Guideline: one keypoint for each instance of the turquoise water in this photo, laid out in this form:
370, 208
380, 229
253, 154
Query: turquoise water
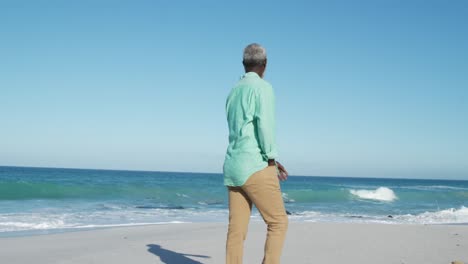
42, 200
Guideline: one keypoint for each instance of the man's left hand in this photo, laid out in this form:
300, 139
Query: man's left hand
282, 172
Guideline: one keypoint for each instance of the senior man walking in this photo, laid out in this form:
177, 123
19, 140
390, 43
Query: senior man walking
251, 173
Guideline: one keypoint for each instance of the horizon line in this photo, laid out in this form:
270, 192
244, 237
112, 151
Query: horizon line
200, 172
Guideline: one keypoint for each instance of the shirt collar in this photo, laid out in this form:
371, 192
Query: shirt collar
250, 74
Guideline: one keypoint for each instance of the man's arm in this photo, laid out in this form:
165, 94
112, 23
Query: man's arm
266, 130
265, 119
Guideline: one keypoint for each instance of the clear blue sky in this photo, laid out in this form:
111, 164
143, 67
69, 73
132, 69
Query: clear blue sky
364, 88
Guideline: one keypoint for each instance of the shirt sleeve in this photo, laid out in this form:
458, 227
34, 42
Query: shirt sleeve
265, 119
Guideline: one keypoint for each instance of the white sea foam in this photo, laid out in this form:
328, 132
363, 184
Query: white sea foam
379, 194
182, 195
34, 223
131, 224
18, 226
286, 198
106, 218
447, 216
21, 226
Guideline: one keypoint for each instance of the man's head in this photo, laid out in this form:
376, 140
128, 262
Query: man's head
255, 59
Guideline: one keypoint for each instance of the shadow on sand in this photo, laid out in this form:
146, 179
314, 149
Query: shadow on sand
172, 257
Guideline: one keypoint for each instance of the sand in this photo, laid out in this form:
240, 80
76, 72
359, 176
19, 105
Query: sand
192, 243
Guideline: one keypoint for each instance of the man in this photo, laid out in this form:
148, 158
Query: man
250, 170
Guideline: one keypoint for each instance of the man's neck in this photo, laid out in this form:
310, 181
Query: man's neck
257, 71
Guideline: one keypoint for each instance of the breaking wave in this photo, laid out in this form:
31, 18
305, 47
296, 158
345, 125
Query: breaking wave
380, 194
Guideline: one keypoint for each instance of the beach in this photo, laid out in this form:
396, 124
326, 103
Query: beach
191, 243
52, 215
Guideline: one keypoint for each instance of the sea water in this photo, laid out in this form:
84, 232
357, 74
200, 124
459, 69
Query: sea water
44, 200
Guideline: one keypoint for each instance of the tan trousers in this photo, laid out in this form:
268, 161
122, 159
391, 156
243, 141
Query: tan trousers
263, 190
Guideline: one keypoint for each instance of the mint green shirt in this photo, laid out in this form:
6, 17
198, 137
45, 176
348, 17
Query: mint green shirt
250, 109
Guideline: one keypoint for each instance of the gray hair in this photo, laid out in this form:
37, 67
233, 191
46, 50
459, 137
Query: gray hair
254, 55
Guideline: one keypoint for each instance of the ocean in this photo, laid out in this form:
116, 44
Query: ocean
48, 200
